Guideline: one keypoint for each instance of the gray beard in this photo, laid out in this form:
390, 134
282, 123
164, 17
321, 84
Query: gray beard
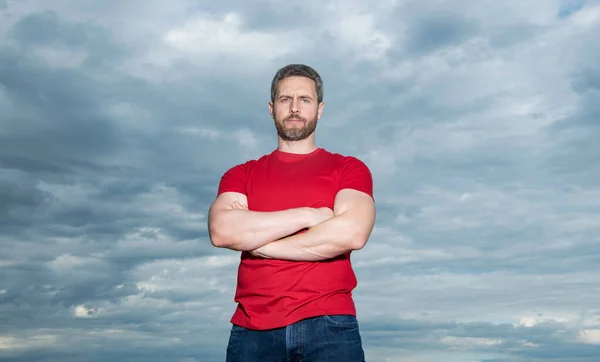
295, 134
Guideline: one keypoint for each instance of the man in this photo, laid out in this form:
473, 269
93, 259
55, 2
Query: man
296, 214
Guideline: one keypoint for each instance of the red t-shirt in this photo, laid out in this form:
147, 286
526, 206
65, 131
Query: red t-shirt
274, 293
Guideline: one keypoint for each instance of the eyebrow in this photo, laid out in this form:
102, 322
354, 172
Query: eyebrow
306, 96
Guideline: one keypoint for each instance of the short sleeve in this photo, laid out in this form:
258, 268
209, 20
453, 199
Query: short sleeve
234, 180
356, 175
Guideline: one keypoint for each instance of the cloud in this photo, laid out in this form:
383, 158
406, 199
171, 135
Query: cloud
478, 121
206, 38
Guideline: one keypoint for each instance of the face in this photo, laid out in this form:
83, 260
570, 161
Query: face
296, 109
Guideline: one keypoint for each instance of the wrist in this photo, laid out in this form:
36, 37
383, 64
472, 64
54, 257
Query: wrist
307, 216
261, 252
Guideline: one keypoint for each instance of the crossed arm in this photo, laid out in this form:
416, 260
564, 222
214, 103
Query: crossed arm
269, 234
231, 225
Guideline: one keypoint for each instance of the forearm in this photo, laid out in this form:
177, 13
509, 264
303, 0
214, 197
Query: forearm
245, 230
326, 240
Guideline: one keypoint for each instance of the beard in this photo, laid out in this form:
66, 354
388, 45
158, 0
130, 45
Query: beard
295, 133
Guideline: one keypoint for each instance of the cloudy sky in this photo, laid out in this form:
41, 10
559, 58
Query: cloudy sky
478, 119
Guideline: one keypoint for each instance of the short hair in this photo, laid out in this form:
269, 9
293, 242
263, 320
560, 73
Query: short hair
297, 70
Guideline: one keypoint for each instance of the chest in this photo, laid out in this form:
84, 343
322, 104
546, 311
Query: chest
274, 186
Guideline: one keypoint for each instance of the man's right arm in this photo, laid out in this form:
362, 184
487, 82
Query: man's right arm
245, 230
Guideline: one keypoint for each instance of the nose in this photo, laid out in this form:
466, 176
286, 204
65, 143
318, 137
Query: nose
294, 106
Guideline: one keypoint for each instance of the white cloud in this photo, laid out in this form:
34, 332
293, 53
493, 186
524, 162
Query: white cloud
208, 37
67, 261
478, 221
33, 342
469, 342
590, 336
211, 134
587, 17
81, 311
246, 138
204, 43
243, 137
167, 200
354, 28
153, 241
358, 33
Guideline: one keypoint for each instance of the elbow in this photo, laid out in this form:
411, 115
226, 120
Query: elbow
219, 233
224, 241
358, 240
357, 243
214, 230
356, 234
219, 238
218, 242
216, 238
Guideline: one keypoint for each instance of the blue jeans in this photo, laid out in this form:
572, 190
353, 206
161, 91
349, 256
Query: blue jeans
320, 339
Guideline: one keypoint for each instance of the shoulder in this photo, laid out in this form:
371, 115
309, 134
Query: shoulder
247, 166
352, 173
241, 168
235, 178
346, 161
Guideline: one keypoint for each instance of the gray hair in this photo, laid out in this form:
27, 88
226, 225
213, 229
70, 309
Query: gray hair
297, 70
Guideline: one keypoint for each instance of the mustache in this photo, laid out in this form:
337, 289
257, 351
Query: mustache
294, 118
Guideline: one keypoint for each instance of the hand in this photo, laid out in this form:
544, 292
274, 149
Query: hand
259, 253
319, 215
238, 206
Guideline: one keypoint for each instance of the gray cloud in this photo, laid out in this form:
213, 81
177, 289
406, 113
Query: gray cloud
434, 31
477, 120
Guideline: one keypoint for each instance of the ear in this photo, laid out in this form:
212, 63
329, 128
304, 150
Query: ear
271, 109
320, 110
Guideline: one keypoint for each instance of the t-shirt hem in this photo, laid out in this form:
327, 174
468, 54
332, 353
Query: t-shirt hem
266, 325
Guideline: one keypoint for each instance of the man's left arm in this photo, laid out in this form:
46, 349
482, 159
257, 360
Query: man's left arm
348, 230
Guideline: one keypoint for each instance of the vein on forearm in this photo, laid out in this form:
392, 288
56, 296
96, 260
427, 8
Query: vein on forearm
245, 230
326, 240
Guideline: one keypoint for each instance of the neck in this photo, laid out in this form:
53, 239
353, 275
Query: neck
299, 147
